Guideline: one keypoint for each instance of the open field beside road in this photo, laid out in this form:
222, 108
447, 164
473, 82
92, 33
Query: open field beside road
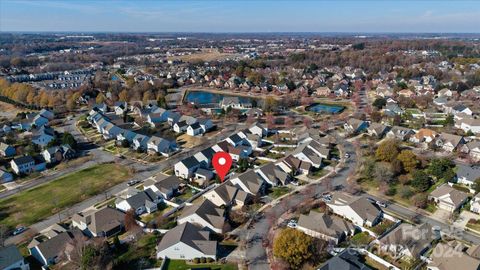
30, 206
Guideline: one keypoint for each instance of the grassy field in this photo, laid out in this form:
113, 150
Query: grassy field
30, 206
182, 265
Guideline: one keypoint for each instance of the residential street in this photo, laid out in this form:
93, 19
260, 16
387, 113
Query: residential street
256, 255
142, 172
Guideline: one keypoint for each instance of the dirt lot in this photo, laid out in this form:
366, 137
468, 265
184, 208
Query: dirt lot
205, 55
8, 110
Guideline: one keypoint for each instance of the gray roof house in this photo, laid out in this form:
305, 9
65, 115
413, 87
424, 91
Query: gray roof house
145, 201
11, 259
206, 215
357, 209
467, 174
404, 240
226, 195
448, 198
249, 182
165, 186
328, 227
186, 242
7, 150
53, 249
273, 174
349, 259
104, 222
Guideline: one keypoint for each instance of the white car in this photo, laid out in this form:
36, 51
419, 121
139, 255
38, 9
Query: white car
292, 224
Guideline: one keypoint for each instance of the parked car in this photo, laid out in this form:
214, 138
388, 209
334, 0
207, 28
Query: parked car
347, 155
19, 230
292, 224
133, 182
382, 204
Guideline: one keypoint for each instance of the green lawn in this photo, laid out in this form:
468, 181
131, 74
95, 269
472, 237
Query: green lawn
361, 239
182, 265
2, 188
279, 191
30, 206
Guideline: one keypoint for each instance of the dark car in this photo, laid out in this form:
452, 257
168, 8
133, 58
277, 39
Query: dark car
19, 230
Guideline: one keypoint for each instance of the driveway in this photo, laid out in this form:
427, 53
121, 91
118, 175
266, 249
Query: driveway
463, 219
442, 215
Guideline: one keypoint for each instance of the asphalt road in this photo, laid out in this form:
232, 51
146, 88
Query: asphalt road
142, 172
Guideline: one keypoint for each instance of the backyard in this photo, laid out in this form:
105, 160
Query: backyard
30, 206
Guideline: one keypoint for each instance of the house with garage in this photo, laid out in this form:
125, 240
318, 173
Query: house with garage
28, 164
472, 148
161, 146
469, 125
120, 107
377, 130
357, 209
57, 154
234, 103
355, 126
186, 167
167, 187
258, 129
330, 228
186, 242
54, 246
145, 201
205, 215
195, 129
400, 133
180, 127
249, 182
227, 195
293, 165
7, 150
140, 142
104, 222
273, 175
448, 198
311, 152
449, 142
407, 241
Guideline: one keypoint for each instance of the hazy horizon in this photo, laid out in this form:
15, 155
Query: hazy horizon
370, 17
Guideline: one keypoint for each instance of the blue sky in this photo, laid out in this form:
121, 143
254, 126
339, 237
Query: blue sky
240, 16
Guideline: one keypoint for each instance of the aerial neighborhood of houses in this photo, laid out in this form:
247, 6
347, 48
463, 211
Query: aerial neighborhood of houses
336, 164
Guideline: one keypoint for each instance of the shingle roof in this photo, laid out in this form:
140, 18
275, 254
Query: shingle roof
407, 236
326, 224
190, 235
208, 212
9, 255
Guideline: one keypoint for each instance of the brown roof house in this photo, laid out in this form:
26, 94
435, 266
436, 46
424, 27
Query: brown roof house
357, 209
227, 195
187, 242
448, 198
104, 222
449, 142
328, 227
54, 246
446, 257
408, 240
206, 215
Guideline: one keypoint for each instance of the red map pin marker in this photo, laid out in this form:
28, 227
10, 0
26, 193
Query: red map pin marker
222, 162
